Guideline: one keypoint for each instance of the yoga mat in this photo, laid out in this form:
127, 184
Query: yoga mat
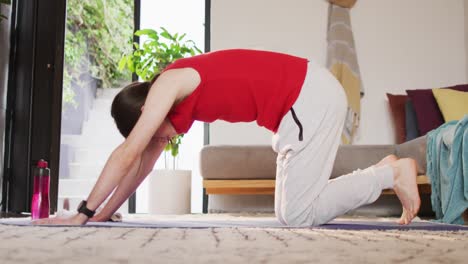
261, 222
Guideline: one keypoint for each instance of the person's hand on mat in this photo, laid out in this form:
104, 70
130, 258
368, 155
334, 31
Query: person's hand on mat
116, 217
97, 218
78, 219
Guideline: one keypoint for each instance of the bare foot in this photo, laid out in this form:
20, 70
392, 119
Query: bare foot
406, 188
405, 218
387, 160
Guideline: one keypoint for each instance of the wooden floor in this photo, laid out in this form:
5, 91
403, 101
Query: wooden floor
261, 186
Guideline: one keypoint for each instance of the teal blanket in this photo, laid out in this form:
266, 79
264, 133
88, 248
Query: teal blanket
447, 168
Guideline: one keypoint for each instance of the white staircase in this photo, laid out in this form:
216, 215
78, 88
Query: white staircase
90, 151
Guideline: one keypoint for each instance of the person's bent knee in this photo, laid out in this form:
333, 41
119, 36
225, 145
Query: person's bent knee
292, 218
279, 217
303, 219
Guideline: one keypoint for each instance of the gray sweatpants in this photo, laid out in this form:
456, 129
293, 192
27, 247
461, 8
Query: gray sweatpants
304, 195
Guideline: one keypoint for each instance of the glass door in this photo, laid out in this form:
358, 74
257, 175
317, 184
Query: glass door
97, 33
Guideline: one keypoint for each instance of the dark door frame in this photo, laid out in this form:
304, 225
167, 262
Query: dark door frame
136, 26
206, 127
34, 98
206, 131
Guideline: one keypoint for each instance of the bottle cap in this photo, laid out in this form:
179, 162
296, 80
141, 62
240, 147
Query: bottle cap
42, 164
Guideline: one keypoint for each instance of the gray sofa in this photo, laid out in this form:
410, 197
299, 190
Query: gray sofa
259, 162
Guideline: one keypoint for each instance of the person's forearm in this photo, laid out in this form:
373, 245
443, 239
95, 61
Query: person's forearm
112, 205
130, 182
126, 187
114, 170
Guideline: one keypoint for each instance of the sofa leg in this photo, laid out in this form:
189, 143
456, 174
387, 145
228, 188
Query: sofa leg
205, 201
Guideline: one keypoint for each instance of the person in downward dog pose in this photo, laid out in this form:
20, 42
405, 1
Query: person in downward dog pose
298, 100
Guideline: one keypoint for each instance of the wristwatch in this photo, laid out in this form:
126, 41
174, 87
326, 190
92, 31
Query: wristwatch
84, 210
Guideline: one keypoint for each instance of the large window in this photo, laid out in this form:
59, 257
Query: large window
91, 80
96, 35
180, 16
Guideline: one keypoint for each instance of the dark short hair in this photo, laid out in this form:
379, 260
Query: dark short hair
127, 104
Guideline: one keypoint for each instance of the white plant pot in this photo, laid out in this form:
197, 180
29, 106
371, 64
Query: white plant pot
169, 192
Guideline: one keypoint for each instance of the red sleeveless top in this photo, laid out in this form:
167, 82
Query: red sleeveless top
240, 86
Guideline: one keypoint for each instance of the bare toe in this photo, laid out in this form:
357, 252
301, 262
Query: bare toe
405, 218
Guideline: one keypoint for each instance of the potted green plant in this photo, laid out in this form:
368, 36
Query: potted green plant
148, 58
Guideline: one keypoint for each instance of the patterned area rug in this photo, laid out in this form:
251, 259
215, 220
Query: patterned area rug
33, 244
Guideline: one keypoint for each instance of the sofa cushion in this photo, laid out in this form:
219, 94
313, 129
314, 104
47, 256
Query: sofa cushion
453, 104
411, 125
259, 162
428, 114
238, 162
415, 149
427, 111
397, 109
353, 157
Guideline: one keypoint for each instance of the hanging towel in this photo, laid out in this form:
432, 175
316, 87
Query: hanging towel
342, 62
447, 168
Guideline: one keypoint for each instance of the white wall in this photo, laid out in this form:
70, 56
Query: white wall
276, 25
405, 45
400, 44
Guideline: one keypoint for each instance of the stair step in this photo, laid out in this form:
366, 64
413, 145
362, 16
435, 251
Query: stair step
85, 170
90, 155
102, 106
102, 136
99, 125
106, 115
108, 93
89, 142
75, 187
71, 140
91, 149
102, 103
94, 132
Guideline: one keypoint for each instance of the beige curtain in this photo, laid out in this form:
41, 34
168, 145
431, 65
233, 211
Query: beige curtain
342, 62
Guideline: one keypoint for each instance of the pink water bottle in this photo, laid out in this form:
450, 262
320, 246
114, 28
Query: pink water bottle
40, 199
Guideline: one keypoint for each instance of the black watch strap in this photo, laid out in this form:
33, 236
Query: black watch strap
84, 210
